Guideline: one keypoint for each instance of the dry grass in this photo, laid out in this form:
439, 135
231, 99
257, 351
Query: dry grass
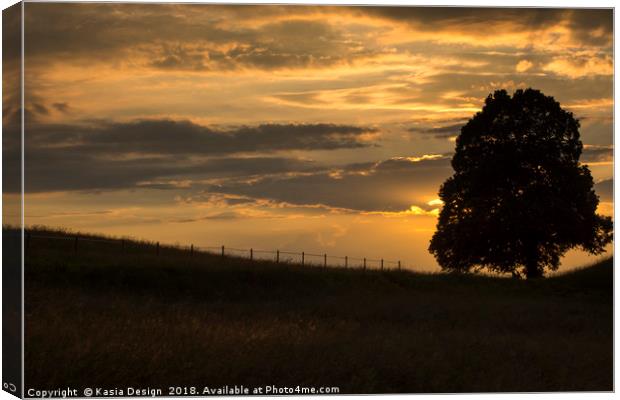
110, 319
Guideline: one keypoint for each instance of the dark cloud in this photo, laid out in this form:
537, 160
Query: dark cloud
235, 201
471, 85
66, 171
226, 215
301, 98
181, 58
297, 43
597, 154
104, 31
223, 216
589, 26
441, 132
285, 44
597, 130
61, 107
173, 38
39, 108
431, 17
173, 155
186, 138
200, 37
605, 190
391, 185
110, 155
35, 109
593, 27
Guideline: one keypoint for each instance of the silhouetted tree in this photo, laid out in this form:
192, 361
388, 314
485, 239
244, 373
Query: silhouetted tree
519, 198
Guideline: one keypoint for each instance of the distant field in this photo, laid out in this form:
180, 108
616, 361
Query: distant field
116, 318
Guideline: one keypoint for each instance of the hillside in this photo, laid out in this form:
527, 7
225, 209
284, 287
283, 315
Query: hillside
111, 317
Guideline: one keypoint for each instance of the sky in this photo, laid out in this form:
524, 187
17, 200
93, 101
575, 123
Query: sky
324, 129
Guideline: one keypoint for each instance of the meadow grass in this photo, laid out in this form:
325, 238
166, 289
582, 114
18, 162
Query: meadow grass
110, 318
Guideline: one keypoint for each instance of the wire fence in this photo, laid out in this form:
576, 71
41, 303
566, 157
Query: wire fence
78, 242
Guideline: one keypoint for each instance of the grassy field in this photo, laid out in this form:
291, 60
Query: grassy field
114, 318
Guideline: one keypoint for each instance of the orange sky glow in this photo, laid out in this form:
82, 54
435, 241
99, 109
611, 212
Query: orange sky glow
327, 129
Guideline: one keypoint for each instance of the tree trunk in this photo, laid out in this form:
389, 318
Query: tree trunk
531, 270
531, 265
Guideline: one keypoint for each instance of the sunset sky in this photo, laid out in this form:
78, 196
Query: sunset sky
315, 128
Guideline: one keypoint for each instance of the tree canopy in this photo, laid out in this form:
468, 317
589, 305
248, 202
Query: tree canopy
519, 197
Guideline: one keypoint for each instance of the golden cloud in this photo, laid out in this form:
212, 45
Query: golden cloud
524, 65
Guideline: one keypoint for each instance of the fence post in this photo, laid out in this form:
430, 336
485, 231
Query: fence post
277, 256
191, 250
398, 264
222, 251
75, 244
303, 258
157, 249
251, 254
382, 264
346, 261
364, 262
325, 260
